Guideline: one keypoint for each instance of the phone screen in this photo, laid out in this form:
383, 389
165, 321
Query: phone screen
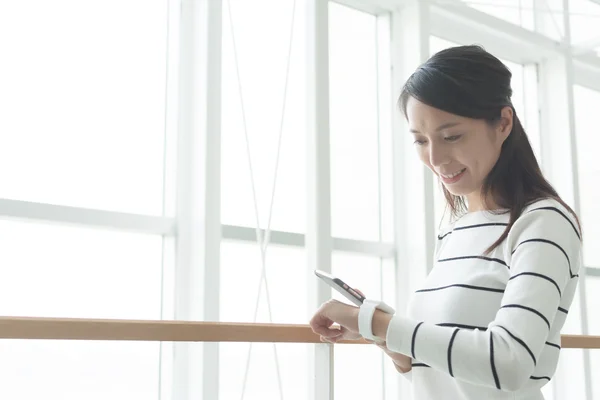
342, 287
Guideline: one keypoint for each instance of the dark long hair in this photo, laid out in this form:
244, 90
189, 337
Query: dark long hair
470, 82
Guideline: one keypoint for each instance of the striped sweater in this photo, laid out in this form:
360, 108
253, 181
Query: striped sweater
488, 326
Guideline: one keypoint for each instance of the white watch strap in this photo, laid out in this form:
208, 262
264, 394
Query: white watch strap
365, 317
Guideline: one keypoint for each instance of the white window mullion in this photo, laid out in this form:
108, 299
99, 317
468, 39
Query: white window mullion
570, 75
167, 350
385, 158
318, 233
77, 216
559, 161
413, 186
196, 366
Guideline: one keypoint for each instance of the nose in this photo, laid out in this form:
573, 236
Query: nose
438, 155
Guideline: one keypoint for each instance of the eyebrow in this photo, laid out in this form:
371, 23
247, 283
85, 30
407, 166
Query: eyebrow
444, 126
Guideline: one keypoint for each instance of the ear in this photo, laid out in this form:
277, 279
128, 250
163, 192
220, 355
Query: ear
505, 124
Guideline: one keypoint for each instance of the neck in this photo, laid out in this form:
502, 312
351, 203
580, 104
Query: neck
475, 203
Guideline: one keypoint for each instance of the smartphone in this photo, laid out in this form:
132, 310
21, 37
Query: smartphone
342, 287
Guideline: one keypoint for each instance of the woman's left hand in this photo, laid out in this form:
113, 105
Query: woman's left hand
332, 312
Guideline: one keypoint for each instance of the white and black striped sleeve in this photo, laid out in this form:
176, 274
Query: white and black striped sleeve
545, 249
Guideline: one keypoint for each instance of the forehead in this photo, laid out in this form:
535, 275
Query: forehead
422, 117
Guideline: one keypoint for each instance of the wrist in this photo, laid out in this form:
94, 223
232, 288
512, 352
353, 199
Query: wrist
346, 316
380, 324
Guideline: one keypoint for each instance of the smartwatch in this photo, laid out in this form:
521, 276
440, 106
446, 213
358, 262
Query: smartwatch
365, 316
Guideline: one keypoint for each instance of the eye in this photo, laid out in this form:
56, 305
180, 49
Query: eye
452, 138
419, 142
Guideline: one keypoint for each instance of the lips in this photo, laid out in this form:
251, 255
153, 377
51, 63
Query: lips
453, 177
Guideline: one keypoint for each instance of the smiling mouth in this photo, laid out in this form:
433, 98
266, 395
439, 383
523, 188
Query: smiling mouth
454, 174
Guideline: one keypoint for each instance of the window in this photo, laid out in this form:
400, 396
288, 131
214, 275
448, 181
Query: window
78, 100
518, 12
72, 370
264, 375
375, 378
253, 103
587, 102
83, 125
286, 275
263, 116
57, 271
361, 182
254, 76
584, 16
241, 301
360, 159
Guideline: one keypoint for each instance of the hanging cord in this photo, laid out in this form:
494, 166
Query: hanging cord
262, 241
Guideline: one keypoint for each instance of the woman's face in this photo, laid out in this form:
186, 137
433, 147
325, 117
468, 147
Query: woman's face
460, 151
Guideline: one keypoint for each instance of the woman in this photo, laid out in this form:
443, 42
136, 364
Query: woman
486, 324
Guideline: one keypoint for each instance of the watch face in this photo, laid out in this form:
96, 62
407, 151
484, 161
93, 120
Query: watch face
342, 287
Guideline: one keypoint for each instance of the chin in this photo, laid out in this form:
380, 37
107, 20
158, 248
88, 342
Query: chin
459, 191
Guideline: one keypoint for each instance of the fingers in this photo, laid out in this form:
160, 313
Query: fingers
332, 333
328, 340
359, 292
326, 331
331, 339
321, 325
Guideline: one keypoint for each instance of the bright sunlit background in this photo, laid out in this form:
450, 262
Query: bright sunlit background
89, 104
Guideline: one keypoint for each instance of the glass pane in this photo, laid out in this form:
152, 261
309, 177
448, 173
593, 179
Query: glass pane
60, 271
373, 276
518, 12
587, 102
262, 40
584, 15
358, 372
525, 101
570, 375
354, 123
83, 106
386, 114
262, 381
286, 275
437, 44
592, 291
74, 370
529, 110
376, 376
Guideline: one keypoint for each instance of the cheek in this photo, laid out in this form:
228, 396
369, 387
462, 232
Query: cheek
423, 155
485, 159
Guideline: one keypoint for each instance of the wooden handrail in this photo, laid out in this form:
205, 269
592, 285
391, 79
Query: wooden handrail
184, 331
